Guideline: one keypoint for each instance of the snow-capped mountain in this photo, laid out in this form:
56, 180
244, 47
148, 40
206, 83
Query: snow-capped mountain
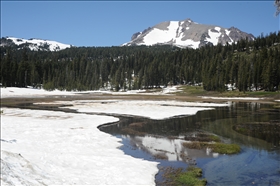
187, 33
34, 44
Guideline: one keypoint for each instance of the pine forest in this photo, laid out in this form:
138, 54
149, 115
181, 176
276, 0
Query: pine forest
245, 65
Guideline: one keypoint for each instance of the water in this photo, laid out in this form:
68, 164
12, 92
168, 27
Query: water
161, 141
250, 167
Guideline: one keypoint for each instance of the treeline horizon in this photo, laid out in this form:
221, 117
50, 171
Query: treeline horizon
249, 65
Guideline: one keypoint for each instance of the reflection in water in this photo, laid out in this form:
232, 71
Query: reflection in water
251, 167
160, 140
242, 113
169, 149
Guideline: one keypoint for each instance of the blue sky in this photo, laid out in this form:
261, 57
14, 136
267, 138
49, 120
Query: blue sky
112, 23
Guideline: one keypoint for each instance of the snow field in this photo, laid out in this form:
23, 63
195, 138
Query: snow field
31, 92
63, 148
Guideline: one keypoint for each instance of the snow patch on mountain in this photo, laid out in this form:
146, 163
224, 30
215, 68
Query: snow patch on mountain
214, 36
188, 42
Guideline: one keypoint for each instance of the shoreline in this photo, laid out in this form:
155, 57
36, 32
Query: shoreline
179, 93
6, 100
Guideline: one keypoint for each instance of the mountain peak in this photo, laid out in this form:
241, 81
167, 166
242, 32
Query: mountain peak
188, 20
187, 33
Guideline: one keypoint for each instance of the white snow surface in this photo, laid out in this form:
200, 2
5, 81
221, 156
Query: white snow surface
54, 45
31, 92
57, 148
151, 109
163, 36
218, 28
214, 36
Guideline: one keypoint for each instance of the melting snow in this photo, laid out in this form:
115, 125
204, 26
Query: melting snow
56, 148
149, 109
30, 92
65, 148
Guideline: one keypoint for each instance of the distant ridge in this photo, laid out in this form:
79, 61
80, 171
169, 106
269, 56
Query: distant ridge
34, 44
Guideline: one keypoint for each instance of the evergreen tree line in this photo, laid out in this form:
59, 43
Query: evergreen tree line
249, 65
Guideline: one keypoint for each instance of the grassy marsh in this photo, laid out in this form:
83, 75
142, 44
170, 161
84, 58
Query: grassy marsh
203, 137
221, 148
190, 177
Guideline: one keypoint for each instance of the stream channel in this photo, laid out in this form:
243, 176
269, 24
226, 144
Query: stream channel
258, 163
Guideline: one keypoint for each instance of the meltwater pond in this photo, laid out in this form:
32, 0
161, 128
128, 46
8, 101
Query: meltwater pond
258, 163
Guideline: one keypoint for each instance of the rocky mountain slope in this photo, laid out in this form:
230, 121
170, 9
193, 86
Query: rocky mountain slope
187, 33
